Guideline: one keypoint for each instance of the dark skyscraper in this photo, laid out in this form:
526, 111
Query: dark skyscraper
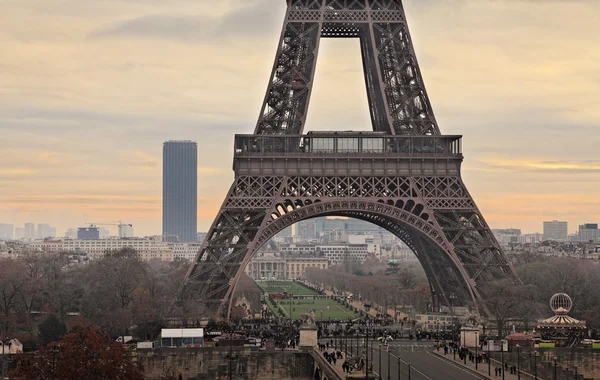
180, 190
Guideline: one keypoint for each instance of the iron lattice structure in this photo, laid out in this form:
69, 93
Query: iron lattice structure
404, 176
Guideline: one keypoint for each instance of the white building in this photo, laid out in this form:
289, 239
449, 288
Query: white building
531, 238
71, 233
125, 231
103, 233
30, 231
337, 253
6, 231
19, 233
185, 251
147, 248
12, 347
43, 231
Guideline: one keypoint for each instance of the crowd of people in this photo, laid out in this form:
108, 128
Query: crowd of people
284, 333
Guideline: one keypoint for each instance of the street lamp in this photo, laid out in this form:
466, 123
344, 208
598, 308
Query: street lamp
465, 346
535, 355
379, 366
389, 361
452, 298
518, 362
489, 359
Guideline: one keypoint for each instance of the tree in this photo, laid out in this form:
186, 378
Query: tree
12, 281
84, 353
408, 279
51, 329
505, 299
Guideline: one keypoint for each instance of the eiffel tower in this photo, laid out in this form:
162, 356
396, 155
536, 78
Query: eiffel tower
403, 176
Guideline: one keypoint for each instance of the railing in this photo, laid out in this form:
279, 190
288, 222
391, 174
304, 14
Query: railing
349, 144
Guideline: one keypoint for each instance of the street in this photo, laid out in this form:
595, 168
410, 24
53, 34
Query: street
417, 361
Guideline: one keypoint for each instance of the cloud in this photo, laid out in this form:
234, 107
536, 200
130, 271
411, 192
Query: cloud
247, 21
547, 166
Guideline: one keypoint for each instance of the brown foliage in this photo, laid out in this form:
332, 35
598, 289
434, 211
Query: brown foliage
84, 353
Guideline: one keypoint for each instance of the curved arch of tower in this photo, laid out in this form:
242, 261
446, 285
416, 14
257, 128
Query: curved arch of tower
404, 176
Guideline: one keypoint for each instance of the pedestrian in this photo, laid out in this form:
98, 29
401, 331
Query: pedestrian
180, 377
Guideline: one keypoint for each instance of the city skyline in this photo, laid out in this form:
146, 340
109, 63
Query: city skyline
83, 137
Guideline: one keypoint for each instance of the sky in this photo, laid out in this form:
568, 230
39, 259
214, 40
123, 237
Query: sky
89, 91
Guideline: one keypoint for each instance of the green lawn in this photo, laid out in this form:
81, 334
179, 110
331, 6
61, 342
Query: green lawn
299, 307
290, 287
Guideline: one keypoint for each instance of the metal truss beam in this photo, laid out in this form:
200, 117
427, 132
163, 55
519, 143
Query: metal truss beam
398, 100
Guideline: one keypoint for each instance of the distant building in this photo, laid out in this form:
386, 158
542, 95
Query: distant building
103, 233
88, 233
30, 231
6, 231
19, 233
555, 230
531, 238
125, 231
71, 233
588, 232
269, 266
335, 253
180, 191
43, 231
507, 236
147, 248
185, 251
296, 267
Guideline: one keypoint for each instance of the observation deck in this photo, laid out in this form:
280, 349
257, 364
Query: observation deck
347, 153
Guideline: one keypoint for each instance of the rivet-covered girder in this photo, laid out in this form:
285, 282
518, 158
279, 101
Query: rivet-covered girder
398, 101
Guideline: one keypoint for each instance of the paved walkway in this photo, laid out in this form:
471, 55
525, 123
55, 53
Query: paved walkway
483, 367
338, 364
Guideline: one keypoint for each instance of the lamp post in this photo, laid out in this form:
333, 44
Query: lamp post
465, 346
379, 366
437, 343
489, 359
476, 350
453, 343
452, 298
366, 351
2, 342
502, 359
518, 362
389, 361
408, 370
534, 355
